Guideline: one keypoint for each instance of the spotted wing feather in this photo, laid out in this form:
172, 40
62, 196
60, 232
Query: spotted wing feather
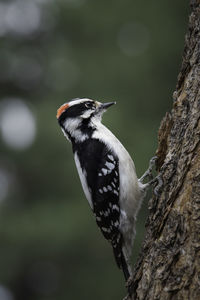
101, 168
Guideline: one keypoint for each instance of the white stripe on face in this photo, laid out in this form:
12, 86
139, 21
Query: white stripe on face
78, 101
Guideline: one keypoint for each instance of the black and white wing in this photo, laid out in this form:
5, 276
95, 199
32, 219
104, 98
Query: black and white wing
107, 208
106, 196
100, 172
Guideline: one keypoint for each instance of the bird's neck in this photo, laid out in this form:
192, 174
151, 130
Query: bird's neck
78, 132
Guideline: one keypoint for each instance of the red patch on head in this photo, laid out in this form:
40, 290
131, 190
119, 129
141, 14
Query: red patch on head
62, 109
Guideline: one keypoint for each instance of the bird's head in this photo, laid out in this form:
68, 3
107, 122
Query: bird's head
79, 117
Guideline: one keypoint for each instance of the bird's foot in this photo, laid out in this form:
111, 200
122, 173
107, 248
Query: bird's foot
148, 172
157, 180
159, 183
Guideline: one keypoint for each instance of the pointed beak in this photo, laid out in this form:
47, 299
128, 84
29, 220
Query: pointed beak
106, 105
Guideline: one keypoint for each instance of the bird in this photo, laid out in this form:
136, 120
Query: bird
107, 174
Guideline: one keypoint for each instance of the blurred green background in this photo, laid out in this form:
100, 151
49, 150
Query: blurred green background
50, 52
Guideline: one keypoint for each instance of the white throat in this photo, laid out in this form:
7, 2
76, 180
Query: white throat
71, 126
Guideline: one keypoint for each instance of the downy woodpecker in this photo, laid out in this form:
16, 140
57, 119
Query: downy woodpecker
107, 175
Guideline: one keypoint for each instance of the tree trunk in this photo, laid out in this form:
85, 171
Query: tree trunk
169, 263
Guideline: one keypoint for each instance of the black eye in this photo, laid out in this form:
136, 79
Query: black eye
89, 105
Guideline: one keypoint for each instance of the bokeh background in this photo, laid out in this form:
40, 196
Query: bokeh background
50, 52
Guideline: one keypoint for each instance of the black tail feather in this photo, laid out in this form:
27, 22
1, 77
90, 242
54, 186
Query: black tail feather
124, 267
122, 263
121, 260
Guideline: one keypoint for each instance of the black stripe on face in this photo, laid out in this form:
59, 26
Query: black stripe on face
76, 110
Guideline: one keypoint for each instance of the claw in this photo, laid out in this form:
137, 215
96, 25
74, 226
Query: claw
153, 160
158, 178
148, 172
157, 189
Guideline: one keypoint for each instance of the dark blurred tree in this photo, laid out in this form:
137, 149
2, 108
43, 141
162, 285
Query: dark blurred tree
169, 264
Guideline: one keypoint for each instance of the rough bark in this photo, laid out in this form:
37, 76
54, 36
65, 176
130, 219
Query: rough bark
169, 263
